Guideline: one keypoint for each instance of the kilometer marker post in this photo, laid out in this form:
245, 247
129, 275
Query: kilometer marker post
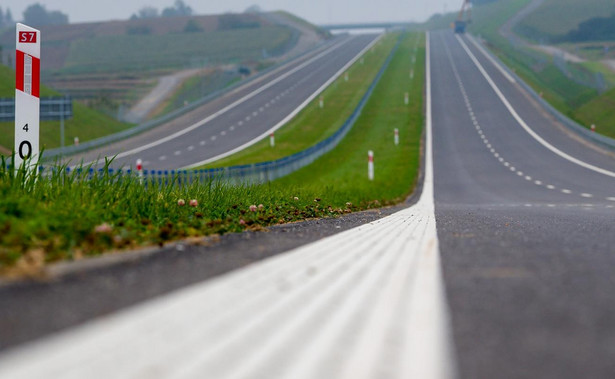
27, 95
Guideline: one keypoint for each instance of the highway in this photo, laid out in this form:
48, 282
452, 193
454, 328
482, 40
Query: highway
239, 118
525, 225
499, 267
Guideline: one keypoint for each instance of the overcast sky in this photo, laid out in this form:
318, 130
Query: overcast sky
316, 11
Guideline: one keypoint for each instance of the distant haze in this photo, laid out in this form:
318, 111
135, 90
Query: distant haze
316, 11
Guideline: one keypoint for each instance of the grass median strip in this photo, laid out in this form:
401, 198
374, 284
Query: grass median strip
315, 124
69, 216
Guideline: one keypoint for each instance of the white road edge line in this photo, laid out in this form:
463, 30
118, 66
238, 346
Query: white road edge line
490, 58
291, 115
228, 107
523, 124
146, 338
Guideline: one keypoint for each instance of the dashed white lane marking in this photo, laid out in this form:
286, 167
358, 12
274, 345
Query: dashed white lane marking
177, 152
291, 115
355, 305
213, 138
240, 123
261, 109
162, 157
254, 114
479, 129
522, 122
202, 143
223, 133
248, 118
190, 148
610, 198
246, 97
231, 128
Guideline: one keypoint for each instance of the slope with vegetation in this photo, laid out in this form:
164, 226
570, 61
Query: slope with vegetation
562, 87
556, 18
68, 216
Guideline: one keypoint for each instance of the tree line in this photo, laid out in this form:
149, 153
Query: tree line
594, 29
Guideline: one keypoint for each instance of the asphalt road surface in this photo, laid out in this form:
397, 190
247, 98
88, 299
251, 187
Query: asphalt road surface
524, 213
237, 118
527, 237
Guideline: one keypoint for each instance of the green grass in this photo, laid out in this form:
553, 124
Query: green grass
314, 124
557, 17
535, 68
601, 112
343, 171
601, 67
129, 53
86, 124
66, 216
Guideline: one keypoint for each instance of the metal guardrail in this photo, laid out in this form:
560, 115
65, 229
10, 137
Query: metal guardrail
252, 173
572, 125
98, 142
51, 108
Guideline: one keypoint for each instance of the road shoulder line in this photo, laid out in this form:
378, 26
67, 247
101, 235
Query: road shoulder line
522, 122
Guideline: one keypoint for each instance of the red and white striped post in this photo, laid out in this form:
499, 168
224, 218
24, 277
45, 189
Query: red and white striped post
593, 127
370, 165
396, 139
140, 169
27, 94
271, 139
76, 140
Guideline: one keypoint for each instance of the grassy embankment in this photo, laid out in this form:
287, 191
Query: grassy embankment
536, 69
65, 217
86, 124
117, 53
555, 18
578, 102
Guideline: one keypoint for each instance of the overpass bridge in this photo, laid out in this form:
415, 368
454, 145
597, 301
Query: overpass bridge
364, 25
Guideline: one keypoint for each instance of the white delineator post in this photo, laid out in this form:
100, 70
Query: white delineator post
76, 140
370, 165
396, 137
321, 102
272, 140
27, 94
593, 127
411, 74
346, 77
140, 167
406, 98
